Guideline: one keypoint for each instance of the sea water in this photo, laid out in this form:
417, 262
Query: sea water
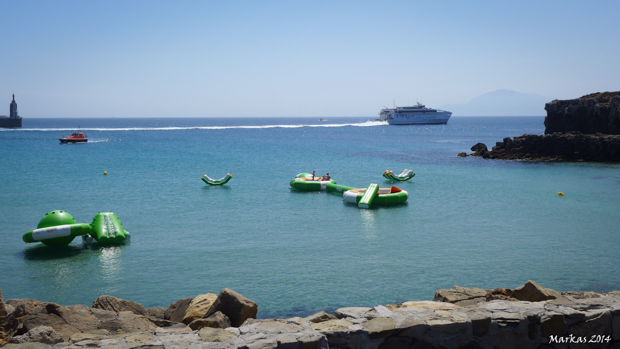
468, 221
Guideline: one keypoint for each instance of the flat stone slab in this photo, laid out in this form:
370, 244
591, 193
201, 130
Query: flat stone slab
354, 312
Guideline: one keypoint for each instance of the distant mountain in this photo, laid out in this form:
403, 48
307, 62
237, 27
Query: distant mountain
501, 103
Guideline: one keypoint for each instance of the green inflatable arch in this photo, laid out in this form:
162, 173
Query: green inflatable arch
211, 181
405, 176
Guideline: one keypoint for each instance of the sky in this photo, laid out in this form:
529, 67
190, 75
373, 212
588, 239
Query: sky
297, 58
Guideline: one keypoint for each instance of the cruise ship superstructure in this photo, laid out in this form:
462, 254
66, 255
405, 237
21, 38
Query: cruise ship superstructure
414, 115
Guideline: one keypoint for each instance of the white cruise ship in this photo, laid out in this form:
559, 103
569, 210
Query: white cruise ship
415, 115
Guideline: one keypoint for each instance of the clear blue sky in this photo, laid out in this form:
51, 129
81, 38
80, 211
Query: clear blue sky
297, 58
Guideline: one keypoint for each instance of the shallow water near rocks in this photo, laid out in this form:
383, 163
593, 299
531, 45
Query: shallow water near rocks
468, 221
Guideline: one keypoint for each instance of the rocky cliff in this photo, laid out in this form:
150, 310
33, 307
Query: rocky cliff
582, 129
594, 113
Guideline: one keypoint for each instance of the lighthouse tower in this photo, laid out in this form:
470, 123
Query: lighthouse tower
14, 114
14, 120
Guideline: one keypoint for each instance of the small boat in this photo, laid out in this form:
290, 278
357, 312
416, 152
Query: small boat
76, 137
321, 119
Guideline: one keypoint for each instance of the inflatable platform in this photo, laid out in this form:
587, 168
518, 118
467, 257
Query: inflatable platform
305, 182
375, 196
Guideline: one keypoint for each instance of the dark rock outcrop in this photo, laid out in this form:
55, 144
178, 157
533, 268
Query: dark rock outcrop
590, 114
582, 129
554, 147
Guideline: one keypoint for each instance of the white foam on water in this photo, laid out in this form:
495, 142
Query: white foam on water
174, 128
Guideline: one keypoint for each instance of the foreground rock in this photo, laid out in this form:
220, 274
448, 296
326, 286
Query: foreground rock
117, 305
465, 317
582, 129
236, 307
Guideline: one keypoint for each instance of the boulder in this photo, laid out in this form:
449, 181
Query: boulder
118, 305
428, 305
614, 294
30, 314
332, 325
274, 326
127, 322
156, 313
157, 316
352, 312
461, 295
79, 317
26, 346
320, 317
198, 307
23, 306
479, 149
209, 334
41, 334
3, 311
176, 311
533, 292
583, 295
380, 327
235, 306
217, 320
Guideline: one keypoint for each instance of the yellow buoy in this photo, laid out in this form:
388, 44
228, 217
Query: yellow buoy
560, 193
105, 173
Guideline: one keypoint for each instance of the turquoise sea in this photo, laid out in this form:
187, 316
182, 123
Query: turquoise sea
468, 221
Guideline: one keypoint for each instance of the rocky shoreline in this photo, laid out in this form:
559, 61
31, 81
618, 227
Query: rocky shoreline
530, 316
581, 129
573, 146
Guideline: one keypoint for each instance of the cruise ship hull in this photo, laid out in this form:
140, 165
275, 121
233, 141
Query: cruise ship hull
430, 118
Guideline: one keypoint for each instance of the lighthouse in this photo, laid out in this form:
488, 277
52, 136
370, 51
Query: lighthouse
14, 120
